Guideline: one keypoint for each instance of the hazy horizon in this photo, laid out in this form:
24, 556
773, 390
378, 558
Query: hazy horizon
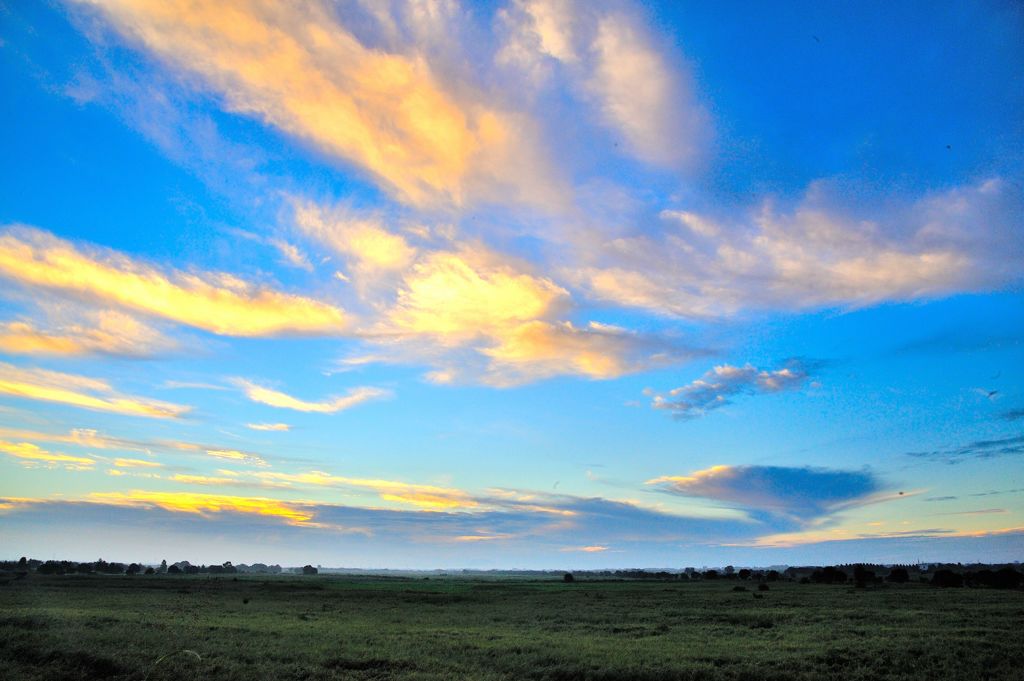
521, 284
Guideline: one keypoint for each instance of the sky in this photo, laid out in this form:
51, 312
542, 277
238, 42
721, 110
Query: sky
512, 284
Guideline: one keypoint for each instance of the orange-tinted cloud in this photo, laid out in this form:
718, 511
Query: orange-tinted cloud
215, 302
298, 68
80, 391
294, 513
30, 453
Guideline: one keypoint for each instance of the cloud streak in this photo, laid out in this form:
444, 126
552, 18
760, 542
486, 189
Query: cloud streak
216, 302
331, 405
80, 391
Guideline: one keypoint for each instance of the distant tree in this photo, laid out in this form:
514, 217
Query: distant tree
828, 575
133, 569
568, 577
729, 571
711, 574
947, 578
745, 574
23, 562
772, 576
309, 570
84, 568
150, 571
862, 576
163, 567
898, 576
174, 570
1007, 578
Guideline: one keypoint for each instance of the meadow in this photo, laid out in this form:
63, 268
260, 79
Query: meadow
330, 627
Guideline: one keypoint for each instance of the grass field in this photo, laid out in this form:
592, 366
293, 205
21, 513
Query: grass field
326, 627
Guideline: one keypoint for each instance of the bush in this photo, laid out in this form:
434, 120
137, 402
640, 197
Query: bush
898, 576
947, 578
567, 577
762, 587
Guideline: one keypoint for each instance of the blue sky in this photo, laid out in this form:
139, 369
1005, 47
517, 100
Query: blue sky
512, 284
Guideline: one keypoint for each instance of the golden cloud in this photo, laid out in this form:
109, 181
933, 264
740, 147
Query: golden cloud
29, 452
458, 295
275, 398
106, 331
294, 513
80, 391
294, 66
423, 496
215, 302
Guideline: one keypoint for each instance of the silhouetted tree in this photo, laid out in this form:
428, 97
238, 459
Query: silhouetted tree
568, 577
947, 578
163, 567
745, 574
309, 570
898, 576
174, 570
150, 571
711, 574
828, 575
133, 569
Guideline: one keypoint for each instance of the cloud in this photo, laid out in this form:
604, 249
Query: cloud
80, 391
802, 494
369, 247
716, 388
205, 504
537, 350
979, 449
643, 97
453, 296
31, 454
93, 439
301, 70
215, 302
331, 405
607, 56
1012, 415
101, 332
422, 496
815, 255
136, 463
279, 427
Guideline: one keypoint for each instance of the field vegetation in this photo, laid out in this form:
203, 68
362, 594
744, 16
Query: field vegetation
328, 627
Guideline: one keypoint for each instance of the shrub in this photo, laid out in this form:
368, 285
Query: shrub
947, 578
762, 587
567, 577
898, 576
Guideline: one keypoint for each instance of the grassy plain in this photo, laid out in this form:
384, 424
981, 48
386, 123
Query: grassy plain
325, 627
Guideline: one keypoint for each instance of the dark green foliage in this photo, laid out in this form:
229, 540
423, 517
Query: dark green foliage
567, 577
73, 628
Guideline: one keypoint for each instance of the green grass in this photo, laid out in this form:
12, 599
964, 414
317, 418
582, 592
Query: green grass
343, 628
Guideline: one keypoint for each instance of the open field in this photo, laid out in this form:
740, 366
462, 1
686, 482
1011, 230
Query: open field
328, 627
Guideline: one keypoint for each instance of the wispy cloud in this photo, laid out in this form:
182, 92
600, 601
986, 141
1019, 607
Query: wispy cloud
101, 332
301, 69
330, 405
31, 454
215, 302
979, 449
719, 385
278, 427
80, 391
816, 254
